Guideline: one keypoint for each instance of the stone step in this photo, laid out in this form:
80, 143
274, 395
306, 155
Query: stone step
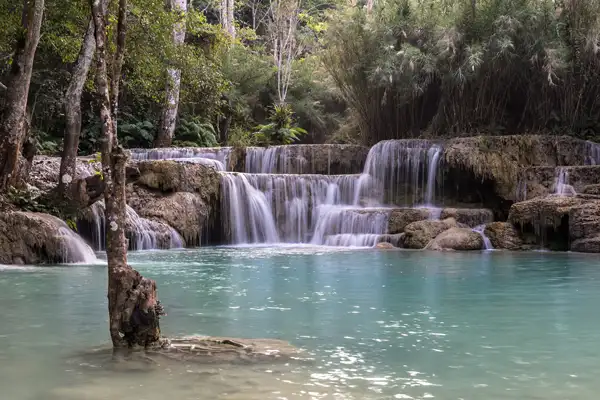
542, 181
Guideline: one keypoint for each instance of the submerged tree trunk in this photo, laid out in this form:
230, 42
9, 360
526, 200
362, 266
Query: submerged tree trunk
133, 307
168, 119
73, 110
14, 127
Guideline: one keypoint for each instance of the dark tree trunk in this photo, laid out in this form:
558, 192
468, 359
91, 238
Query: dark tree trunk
133, 307
14, 128
73, 110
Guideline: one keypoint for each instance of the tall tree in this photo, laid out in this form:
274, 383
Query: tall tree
284, 42
14, 125
171, 106
133, 307
73, 109
226, 10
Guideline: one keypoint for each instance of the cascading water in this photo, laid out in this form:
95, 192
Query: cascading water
261, 206
143, 234
486, 241
561, 183
407, 169
74, 249
218, 158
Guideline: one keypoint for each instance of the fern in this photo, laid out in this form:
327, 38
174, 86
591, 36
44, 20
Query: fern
195, 133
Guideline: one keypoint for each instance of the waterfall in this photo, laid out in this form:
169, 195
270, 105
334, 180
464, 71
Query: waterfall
268, 208
271, 160
143, 234
407, 169
593, 153
74, 249
561, 185
247, 213
486, 241
433, 158
218, 158
346, 226
268, 204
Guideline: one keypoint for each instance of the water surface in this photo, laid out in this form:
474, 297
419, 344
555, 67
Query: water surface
374, 325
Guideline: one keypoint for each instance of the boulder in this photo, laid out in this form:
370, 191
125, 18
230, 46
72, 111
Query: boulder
44, 171
186, 212
401, 217
418, 234
471, 217
591, 189
34, 238
584, 220
588, 245
543, 212
395, 239
456, 239
175, 176
384, 246
503, 235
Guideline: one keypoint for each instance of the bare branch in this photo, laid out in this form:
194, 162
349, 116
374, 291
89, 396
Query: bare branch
2, 86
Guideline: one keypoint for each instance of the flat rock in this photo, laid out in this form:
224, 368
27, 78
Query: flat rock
471, 217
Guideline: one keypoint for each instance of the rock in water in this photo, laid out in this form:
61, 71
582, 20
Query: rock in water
419, 234
35, 238
504, 235
457, 239
384, 246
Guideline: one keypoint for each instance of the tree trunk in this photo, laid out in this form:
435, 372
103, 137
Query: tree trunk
170, 109
73, 110
133, 307
230, 18
14, 128
226, 9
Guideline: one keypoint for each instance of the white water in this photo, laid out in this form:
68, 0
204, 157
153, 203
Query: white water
406, 168
261, 206
486, 241
561, 186
217, 157
74, 249
143, 234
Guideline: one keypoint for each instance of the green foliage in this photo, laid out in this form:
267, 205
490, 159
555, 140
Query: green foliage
46, 144
27, 200
195, 133
136, 133
446, 68
280, 129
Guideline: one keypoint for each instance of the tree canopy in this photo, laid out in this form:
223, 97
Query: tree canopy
349, 70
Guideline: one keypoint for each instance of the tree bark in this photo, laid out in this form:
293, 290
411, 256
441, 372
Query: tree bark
14, 128
171, 107
133, 307
226, 10
73, 110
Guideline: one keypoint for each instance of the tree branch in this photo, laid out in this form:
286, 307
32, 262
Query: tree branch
2, 86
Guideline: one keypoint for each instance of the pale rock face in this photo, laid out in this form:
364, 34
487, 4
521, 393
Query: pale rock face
457, 239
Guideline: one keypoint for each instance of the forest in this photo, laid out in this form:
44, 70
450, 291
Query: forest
257, 72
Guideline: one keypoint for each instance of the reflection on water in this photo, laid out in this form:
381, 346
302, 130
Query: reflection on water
374, 325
